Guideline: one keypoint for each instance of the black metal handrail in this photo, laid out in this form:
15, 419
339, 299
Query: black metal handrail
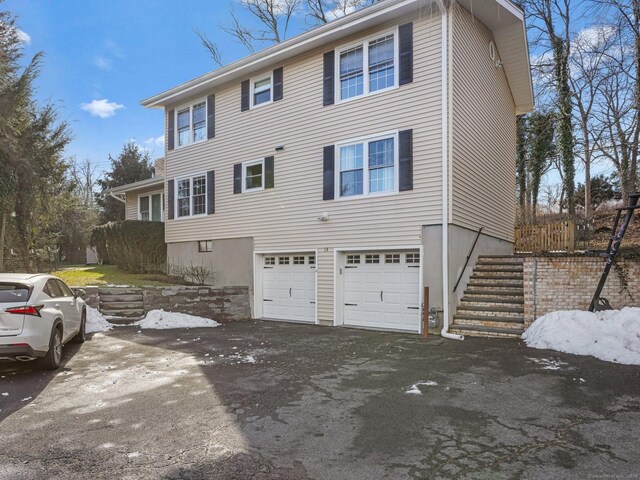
468, 257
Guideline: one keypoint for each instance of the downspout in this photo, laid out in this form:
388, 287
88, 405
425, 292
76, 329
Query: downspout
445, 176
120, 199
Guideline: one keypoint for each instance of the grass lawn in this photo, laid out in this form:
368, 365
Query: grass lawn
100, 275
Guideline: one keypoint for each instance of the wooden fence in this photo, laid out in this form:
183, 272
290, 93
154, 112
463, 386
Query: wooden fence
551, 237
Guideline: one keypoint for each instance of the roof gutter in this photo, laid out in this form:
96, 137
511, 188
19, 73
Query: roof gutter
445, 175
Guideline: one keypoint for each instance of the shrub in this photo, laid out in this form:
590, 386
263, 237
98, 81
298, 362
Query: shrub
192, 274
134, 246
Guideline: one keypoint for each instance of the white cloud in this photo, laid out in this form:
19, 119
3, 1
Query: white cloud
595, 36
101, 108
155, 141
24, 37
102, 63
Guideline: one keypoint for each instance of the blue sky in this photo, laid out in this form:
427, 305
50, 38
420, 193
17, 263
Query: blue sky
120, 51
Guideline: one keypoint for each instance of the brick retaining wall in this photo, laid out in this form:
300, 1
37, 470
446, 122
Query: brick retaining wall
568, 283
228, 304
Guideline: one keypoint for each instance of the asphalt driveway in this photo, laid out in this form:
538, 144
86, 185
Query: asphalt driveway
265, 400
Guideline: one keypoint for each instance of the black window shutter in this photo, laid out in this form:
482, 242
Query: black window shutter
328, 178
328, 80
211, 192
405, 161
211, 116
277, 84
171, 135
237, 178
244, 96
170, 201
406, 53
268, 172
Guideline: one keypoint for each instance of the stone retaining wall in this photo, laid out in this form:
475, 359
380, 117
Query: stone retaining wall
228, 304
568, 283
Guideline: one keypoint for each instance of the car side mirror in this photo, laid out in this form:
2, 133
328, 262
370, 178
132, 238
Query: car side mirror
79, 292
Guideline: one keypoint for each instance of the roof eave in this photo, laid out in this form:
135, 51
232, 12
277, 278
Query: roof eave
146, 183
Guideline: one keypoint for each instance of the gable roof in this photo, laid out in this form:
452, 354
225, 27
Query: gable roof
504, 19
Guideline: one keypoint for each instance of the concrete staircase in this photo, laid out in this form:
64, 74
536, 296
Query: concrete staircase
122, 305
493, 303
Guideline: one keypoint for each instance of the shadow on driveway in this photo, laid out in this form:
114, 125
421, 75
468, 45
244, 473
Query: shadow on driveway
24, 381
269, 400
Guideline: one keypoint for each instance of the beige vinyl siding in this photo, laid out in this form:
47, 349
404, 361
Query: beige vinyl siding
286, 217
483, 132
131, 205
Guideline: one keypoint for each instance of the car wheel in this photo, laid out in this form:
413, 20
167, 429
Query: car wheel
80, 336
53, 358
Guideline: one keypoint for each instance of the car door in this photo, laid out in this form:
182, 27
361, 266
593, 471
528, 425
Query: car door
51, 306
68, 304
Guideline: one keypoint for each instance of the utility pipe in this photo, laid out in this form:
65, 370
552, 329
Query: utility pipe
445, 177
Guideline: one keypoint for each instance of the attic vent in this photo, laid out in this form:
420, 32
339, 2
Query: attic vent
492, 51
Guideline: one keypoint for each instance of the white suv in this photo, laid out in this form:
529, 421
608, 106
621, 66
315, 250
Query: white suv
38, 315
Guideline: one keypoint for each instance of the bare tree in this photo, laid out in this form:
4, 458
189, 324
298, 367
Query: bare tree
549, 25
84, 180
271, 20
211, 47
323, 11
589, 55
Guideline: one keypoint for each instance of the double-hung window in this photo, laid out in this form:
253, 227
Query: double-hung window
367, 167
151, 207
192, 123
367, 67
191, 198
253, 175
261, 90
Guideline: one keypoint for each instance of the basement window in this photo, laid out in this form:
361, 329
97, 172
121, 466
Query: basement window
205, 246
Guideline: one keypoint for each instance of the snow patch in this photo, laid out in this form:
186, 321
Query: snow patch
415, 388
548, 364
611, 335
160, 320
96, 321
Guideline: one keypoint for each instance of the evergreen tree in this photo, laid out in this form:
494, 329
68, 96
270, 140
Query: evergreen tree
131, 165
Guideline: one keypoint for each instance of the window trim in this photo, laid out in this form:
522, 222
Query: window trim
365, 64
175, 196
365, 166
149, 194
176, 133
252, 82
244, 175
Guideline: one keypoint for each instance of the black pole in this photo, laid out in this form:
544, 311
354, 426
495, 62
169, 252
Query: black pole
614, 245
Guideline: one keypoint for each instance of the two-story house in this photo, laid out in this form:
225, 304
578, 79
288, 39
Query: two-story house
340, 172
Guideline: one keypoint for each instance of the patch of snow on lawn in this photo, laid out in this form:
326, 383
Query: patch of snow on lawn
611, 335
415, 388
96, 321
160, 320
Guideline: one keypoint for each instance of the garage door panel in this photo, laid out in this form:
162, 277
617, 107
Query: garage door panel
289, 289
398, 307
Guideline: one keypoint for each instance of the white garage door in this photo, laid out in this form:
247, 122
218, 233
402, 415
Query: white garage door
382, 290
289, 287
